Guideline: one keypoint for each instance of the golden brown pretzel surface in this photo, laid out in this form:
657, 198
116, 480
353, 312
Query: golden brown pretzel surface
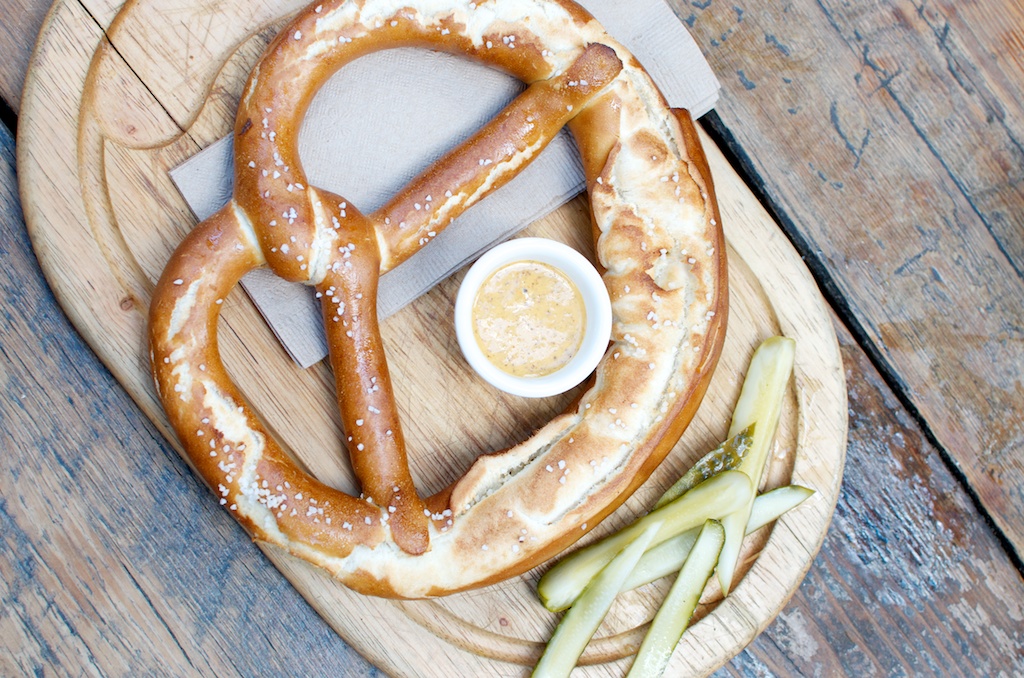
657, 239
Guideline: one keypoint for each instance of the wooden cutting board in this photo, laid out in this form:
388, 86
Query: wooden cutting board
103, 120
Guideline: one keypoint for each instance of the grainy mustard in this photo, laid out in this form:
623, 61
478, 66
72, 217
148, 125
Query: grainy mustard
528, 319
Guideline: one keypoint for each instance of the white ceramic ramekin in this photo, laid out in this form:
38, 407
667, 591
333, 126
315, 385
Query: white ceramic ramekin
595, 300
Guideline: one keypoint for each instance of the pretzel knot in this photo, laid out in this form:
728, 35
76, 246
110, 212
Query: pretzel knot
658, 241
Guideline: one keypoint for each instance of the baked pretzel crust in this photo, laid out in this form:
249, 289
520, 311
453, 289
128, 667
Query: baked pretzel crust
658, 242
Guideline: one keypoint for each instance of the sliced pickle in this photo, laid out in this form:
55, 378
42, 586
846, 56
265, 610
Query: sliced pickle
760, 401
675, 612
725, 457
581, 621
714, 498
668, 556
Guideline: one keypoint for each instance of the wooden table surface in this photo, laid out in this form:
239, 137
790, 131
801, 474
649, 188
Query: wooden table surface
886, 137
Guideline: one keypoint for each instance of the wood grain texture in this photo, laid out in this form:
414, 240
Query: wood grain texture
889, 136
102, 247
114, 562
907, 558
894, 591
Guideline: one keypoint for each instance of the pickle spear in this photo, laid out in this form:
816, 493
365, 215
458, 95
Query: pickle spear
667, 557
674, 614
760, 401
725, 457
581, 621
719, 496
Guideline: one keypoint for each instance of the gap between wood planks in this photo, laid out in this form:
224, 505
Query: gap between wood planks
743, 165
8, 118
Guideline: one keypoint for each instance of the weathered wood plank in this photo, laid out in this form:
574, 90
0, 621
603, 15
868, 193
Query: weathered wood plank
18, 31
114, 560
888, 571
113, 582
889, 136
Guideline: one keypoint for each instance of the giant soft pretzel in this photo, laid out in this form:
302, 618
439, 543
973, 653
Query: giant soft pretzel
657, 240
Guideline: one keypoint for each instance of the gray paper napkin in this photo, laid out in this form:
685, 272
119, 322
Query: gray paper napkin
385, 117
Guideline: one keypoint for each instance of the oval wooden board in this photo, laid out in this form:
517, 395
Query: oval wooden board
93, 153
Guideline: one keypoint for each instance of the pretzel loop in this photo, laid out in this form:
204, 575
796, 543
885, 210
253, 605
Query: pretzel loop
655, 218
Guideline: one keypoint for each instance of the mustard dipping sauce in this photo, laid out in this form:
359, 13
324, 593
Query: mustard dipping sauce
528, 319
